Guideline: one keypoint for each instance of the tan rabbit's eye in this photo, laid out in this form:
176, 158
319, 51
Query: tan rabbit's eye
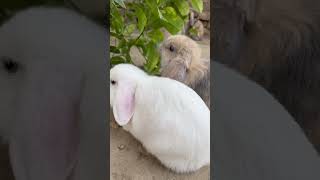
171, 48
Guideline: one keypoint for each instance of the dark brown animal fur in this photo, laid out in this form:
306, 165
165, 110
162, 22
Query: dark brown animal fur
277, 44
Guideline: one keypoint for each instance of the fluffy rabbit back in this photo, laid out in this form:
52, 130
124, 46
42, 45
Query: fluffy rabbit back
173, 123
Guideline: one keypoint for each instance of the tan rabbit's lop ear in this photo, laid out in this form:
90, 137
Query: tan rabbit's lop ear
124, 103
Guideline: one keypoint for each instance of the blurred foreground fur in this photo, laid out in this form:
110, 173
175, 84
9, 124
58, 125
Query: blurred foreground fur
276, 44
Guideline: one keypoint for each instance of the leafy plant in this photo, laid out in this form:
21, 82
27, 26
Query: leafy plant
138, 24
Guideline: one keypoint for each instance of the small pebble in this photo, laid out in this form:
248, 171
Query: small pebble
121, 147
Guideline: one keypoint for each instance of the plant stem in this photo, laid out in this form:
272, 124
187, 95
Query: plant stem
139, 36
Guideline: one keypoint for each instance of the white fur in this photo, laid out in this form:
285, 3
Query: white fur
170, 119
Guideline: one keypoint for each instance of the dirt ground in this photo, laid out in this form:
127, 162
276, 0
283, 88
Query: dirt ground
129, 161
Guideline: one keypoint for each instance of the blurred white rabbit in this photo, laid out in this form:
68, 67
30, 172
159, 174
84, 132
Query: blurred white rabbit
53, 106
166, 116
254, 136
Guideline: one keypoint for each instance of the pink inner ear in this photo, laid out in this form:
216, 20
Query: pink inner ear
124, 103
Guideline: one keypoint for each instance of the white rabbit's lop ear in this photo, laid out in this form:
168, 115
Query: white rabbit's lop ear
124, 103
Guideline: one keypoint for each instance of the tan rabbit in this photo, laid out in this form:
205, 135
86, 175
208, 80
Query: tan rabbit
181, 60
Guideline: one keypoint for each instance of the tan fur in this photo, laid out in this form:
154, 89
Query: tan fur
185, 57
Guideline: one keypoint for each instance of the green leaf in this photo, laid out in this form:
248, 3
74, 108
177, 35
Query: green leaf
197, 5
117, 60
152, 57
118, 36
154, 22
156, 36
129, 29
182, 6
142, 19
153, 8
123, 46
122, 43
141, 43
171, 21
152, 4
117, 21
161, 2
128, 57
120, 3
114, 49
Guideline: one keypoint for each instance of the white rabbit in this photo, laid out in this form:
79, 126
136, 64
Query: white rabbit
166, 116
